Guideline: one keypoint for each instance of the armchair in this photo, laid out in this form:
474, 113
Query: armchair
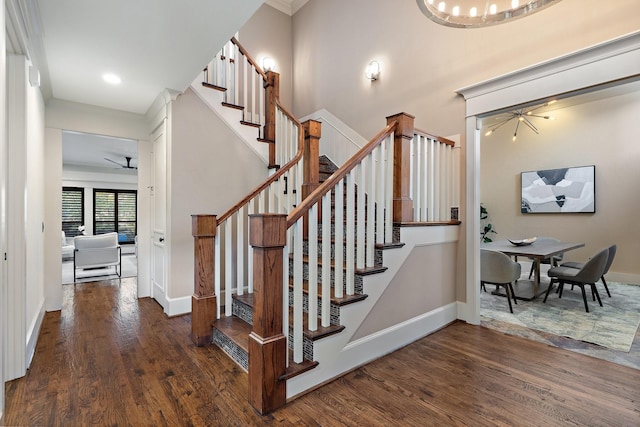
99, 251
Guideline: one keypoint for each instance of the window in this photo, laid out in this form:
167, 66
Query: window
115, 210
72, 210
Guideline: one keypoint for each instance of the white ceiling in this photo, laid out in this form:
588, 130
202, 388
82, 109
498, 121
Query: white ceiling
151, 44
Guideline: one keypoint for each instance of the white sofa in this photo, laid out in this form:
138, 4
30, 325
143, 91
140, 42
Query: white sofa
67, 248
94, 252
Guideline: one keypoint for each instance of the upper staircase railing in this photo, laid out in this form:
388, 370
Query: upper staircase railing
248, 88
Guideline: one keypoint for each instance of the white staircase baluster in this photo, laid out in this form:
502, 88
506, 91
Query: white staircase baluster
241, 243
351, 232
218, 270
380, 199
297, 291
360, 212
338, 237
312, 242
326, 259
431, 180
228, 251
370, 235
388, 229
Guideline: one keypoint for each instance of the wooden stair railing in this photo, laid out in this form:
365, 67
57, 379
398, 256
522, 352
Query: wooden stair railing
223, 256
372, 192
248, 88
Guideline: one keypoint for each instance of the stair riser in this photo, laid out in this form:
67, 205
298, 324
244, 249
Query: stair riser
234, 351
245, 312
305, 275
377, 252
334, 310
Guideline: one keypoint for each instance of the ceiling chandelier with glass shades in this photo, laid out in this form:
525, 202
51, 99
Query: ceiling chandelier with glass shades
522, 116
479, 13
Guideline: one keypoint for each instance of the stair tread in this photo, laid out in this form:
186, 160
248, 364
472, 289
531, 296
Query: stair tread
344, 300
211, 86
234, 106
236, 329
246, 123
295, 369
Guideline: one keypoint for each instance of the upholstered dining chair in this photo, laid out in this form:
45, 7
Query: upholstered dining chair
612, 255
552, 261
589, 274
498, 269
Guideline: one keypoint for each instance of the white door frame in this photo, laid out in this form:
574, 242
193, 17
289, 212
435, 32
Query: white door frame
610, 63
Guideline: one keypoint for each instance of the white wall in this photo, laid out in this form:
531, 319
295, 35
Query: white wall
599, 133
64, 115
25, 217
211, 170
35, 219
3, 206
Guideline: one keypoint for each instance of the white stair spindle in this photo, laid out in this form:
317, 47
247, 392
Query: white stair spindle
380, 180
388, 229
370, 235
297, 291
360, 212
312, 242
228, 283
218, 270
338, 237
326, 259
351, 232
240, 245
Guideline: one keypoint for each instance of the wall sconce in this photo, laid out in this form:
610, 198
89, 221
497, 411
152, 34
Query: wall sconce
268, 64
373, 70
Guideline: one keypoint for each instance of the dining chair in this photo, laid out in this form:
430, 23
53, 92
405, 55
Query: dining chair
589, 274
553, 261
498, 269
612, 255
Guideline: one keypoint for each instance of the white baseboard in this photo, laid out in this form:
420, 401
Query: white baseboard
33, 333
364, 350
178, 306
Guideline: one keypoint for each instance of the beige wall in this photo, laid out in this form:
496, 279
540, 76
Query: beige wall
603, 133
269, 33
211, 170
424, 283
423, 63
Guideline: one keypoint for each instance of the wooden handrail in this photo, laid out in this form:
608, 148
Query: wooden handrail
317, 194
436, 138
276, 175
249, 58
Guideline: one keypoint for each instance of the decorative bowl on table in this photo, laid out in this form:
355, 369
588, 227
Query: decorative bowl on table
523, 242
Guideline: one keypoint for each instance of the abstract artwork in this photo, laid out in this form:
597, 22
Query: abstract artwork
566, 190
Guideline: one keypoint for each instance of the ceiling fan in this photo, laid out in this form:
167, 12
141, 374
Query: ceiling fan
127, 166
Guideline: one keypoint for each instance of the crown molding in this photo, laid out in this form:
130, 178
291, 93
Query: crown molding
290, 7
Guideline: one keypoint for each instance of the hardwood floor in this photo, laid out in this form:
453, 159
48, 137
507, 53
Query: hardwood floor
109, 358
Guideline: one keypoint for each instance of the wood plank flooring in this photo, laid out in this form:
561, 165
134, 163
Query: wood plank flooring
109, 358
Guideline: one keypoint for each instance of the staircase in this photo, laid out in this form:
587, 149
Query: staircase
315, 232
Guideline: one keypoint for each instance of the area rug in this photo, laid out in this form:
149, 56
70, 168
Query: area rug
129, 269
612, 326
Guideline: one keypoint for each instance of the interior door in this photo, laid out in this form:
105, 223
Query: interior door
158, 217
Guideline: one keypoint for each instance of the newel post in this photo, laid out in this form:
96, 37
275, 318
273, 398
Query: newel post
272, 93
267, 343
402, 203
311, 161
203, 301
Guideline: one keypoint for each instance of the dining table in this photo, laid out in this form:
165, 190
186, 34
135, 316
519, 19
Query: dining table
537, 251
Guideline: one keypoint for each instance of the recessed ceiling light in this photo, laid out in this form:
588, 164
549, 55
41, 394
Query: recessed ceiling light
111, 79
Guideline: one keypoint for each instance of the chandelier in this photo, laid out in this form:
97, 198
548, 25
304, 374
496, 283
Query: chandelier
479, 13
521, 116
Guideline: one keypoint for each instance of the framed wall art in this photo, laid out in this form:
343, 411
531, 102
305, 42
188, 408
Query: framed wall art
566, 190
